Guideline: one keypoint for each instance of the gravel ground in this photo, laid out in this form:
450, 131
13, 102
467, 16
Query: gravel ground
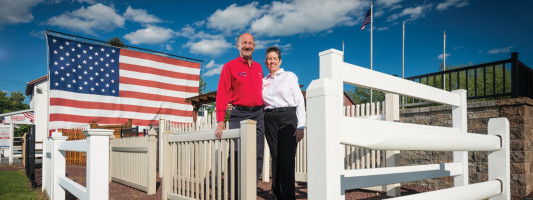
121, 192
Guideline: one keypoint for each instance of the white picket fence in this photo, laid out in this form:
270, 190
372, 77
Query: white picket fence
133, 162
328, 130
197, 165
97, 176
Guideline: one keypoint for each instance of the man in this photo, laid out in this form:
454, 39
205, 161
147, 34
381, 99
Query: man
240, 84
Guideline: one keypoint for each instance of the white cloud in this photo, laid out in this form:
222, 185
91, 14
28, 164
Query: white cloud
212, 47
150, 35
396, 7
140, 15
168, 47
413, 13
16, 11
501, 50
449, 3
263, 44
234, 17
387, 3
383, 28
97, 17
441, 57
307, 16
379, 13
38, 34
212, 68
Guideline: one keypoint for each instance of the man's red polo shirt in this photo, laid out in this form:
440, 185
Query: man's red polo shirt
239, 85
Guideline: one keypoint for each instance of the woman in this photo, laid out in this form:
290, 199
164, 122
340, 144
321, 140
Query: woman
284, 122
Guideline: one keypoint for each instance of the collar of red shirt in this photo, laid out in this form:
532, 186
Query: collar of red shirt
241, 59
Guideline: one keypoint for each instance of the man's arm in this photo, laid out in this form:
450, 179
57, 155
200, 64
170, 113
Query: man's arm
224, 86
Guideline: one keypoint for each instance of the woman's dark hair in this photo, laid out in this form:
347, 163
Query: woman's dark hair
274, 49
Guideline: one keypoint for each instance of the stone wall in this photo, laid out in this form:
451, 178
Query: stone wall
518, 111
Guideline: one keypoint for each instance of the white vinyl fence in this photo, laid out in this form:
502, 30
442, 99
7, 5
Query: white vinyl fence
97, 181
197, 165
328, 130
133, 162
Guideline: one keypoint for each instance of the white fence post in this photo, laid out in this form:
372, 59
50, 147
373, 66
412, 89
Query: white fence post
247, 160
392, 113
324, 165
167, 161
266, 162
499, 161
57, 168
97, 163
152, 158
162, 129
459, 120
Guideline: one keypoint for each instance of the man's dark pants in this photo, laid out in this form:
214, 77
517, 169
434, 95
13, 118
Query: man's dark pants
236, 116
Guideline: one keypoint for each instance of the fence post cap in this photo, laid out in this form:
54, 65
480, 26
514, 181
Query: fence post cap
248, 121
330, 51
59, 137
98, 132
152, 132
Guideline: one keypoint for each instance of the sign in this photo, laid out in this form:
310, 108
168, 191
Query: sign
21, 118
5, 137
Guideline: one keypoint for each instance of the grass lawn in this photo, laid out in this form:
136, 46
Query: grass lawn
15, 185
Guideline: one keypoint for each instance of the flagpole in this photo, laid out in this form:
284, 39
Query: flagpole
343, 50
371, 40
403, 55
444, 63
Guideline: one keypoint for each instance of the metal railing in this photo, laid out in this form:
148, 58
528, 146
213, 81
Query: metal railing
504, 78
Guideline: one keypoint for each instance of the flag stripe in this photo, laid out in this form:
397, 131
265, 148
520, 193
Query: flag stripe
111, 106
118, 100
111, 113
157, 65
99, 120
152, 97
152, 91
156, 84
163, 79
162, 59
160, 72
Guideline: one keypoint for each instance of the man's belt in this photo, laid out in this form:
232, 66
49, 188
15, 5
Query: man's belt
249, 109
282, 109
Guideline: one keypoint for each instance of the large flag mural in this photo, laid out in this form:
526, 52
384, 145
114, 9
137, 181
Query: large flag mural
108, 85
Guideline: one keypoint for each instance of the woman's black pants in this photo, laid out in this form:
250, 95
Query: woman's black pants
279, 132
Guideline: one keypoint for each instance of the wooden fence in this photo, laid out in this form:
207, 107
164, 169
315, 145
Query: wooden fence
133, 162
75, 157
198, 165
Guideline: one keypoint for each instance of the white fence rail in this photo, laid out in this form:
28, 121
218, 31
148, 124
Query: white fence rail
133, 162
97, 181
197, 165
328, 130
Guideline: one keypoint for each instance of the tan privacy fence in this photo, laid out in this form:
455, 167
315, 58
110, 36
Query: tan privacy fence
197, 165
133, 161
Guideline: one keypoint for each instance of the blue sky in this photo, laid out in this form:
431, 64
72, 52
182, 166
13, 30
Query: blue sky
478, 31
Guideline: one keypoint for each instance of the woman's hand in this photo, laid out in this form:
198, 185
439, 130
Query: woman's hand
299, 135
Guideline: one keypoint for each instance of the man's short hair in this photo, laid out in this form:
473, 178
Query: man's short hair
274, 49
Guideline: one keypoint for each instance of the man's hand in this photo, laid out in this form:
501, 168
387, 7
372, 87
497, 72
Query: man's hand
299, 135
218, 132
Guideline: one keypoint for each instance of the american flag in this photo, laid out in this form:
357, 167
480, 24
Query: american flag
367, 20
108, 85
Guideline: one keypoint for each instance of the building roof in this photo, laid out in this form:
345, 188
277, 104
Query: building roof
202, 99
29, 86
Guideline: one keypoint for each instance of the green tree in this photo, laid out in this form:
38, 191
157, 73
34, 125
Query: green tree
12, 103
361, 95
116, 42
201, 85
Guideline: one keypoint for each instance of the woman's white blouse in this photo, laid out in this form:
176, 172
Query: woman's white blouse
282, 90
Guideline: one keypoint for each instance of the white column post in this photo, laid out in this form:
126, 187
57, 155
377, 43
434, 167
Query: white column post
500, 161
58, 168
266, 162
167, 162
98, 163
324, 103
392, 113
460, 121
247, 160
162, 129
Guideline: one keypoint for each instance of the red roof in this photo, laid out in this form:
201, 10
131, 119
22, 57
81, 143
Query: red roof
29, 86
